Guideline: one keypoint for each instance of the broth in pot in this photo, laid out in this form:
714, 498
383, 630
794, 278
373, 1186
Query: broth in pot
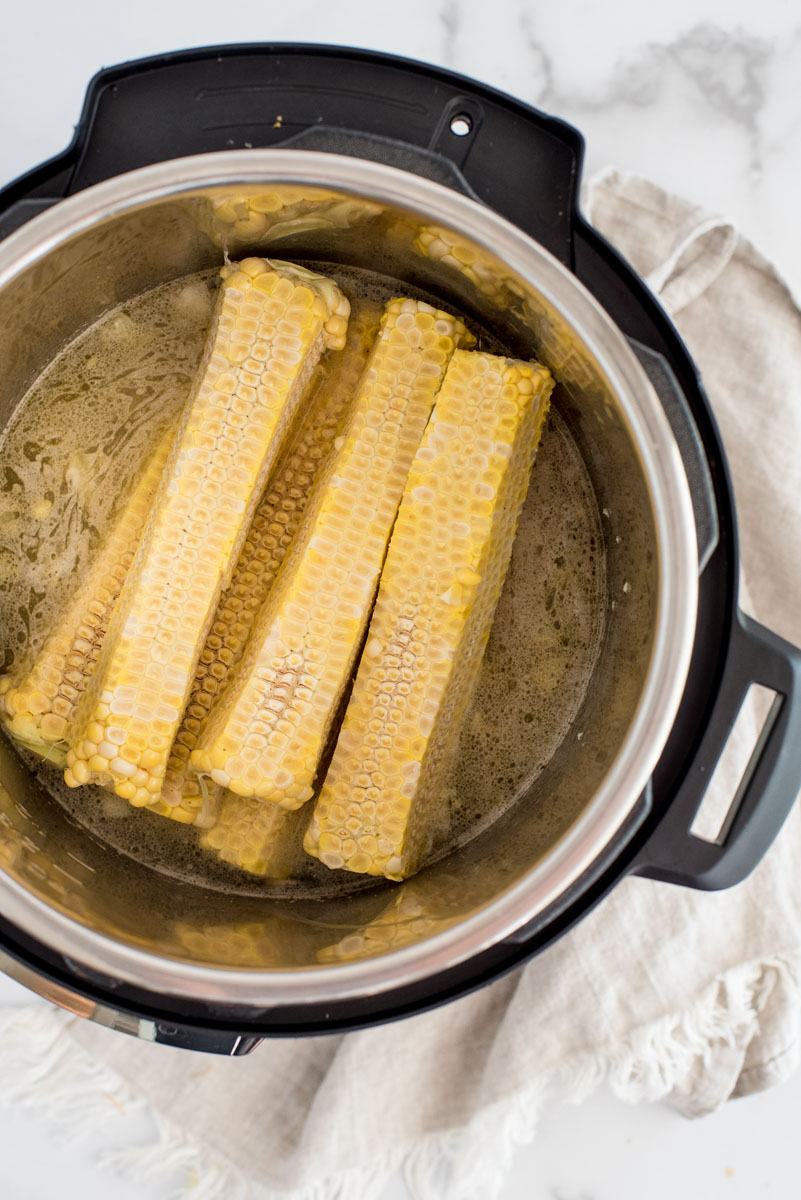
85, 430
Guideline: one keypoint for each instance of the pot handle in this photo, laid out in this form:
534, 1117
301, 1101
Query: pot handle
770, 782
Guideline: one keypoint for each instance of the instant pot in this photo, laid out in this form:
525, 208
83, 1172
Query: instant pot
444, 183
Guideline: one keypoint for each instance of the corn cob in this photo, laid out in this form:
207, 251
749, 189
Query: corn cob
408, 918
240, 944
267, 943
258, 219
41, 705
266, 736
255, 836
483, 271
558, 343
441, 581
272, 324
277, 517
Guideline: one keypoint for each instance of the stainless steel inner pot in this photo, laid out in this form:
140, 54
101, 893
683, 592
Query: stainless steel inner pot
109, 243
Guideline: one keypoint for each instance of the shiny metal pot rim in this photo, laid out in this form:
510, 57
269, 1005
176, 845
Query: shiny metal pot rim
677, 601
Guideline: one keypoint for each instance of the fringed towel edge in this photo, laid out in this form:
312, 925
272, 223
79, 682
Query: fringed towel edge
45, 1070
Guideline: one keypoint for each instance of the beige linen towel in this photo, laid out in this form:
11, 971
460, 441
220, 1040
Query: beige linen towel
664, 993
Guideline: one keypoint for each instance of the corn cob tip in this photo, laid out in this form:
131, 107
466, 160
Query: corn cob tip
401, 311
329, 302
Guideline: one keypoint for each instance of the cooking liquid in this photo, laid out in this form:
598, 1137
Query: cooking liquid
80, 437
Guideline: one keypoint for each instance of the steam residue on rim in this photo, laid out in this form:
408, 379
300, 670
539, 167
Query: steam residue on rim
83, 432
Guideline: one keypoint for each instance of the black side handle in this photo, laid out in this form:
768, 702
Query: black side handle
768, 788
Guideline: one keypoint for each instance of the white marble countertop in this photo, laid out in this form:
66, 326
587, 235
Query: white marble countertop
703, 97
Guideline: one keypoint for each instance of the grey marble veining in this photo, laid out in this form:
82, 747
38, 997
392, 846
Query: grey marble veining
450, 20
727, 69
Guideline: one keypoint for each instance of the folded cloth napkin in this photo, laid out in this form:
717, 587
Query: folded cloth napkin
662, 992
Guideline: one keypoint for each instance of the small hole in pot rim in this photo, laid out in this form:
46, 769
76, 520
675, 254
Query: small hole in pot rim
461, 125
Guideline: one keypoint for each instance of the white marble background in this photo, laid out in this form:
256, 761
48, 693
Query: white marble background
703, 96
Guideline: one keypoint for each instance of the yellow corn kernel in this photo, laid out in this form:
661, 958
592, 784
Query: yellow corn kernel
241, 944
255, 836
40, 706
444, 571
267, 734
409, 917
271, 325
483, 270
559, 345
201, 809
272, 529
240, 218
